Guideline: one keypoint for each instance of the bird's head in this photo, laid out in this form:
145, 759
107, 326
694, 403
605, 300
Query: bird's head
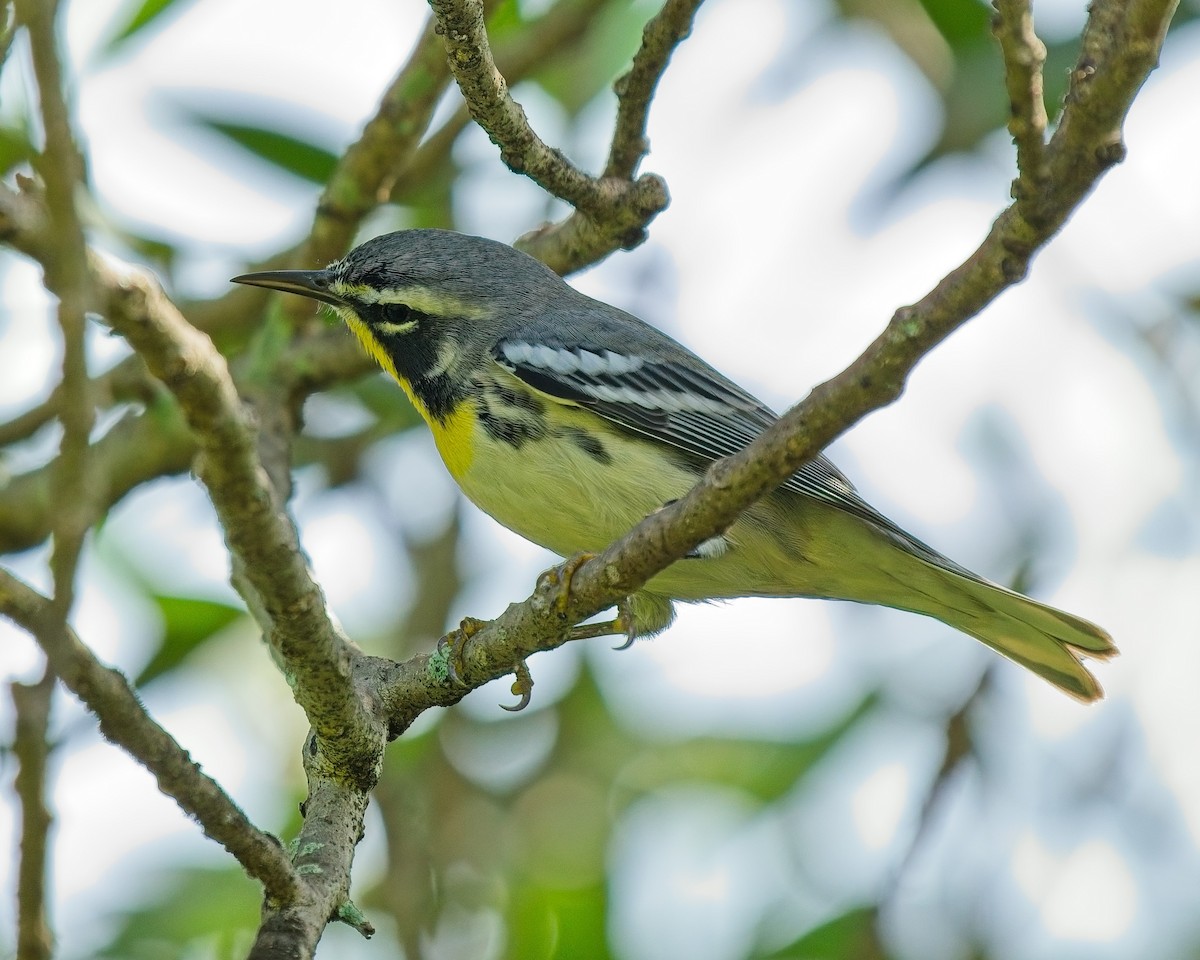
419, 298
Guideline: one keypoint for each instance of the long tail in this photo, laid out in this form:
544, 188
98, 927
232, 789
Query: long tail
1048, 641
880, 563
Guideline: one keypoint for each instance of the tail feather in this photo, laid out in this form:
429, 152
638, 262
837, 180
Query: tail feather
1048, 641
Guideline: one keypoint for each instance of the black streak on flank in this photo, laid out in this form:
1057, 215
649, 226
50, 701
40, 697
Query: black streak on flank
514, 432
518, 401
589, 444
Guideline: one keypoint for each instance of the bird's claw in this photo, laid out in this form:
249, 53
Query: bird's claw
452, 648
623, 625
457, 640
522, 686
561, 576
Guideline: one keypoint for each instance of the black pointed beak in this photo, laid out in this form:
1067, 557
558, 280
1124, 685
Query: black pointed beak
306, 283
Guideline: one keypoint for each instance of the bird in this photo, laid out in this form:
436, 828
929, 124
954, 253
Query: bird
569, 420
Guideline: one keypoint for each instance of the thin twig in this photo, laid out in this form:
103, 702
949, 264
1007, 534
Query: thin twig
635, 89
139, 448
557, 34
29, 422
128, 380
124, 721
959, 747
1024, 56
617, 210
461, 26
31, 749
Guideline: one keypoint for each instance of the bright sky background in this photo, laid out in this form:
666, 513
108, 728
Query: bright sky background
774, 263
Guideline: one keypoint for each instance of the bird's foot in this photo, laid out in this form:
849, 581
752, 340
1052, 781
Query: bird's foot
522, 686
452, 648
562, 575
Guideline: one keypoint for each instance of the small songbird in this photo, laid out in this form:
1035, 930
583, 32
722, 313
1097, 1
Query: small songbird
569, 421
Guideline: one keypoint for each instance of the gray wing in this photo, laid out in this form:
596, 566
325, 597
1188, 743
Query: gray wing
689, 406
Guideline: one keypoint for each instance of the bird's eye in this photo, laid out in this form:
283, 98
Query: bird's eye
400, 314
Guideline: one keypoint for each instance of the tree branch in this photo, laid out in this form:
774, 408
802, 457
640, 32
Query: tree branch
616, 210
635, 89
557, 33
138, 448
1024, 56
344, 754
61, 168
289, 605
31, 749
124, 721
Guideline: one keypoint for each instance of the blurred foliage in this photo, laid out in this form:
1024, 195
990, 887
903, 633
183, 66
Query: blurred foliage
146, 14
194, 912
299, 158
187, 623
472, 825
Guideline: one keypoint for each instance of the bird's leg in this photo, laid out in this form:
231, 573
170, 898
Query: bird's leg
620, 625
561, 576
456, 642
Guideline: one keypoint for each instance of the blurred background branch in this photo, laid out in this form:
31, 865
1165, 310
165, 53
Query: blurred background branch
625, 810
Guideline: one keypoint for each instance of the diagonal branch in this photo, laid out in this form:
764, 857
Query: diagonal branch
344, 754
124, 721
287, 602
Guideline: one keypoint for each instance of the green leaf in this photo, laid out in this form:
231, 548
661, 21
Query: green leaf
850, 936
15, 148
187, 623
146, 14
962, 24
299, 157
547, 923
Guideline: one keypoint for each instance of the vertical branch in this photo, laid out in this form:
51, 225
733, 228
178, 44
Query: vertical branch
635, 89
61, 167
31, 749
1024, 56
